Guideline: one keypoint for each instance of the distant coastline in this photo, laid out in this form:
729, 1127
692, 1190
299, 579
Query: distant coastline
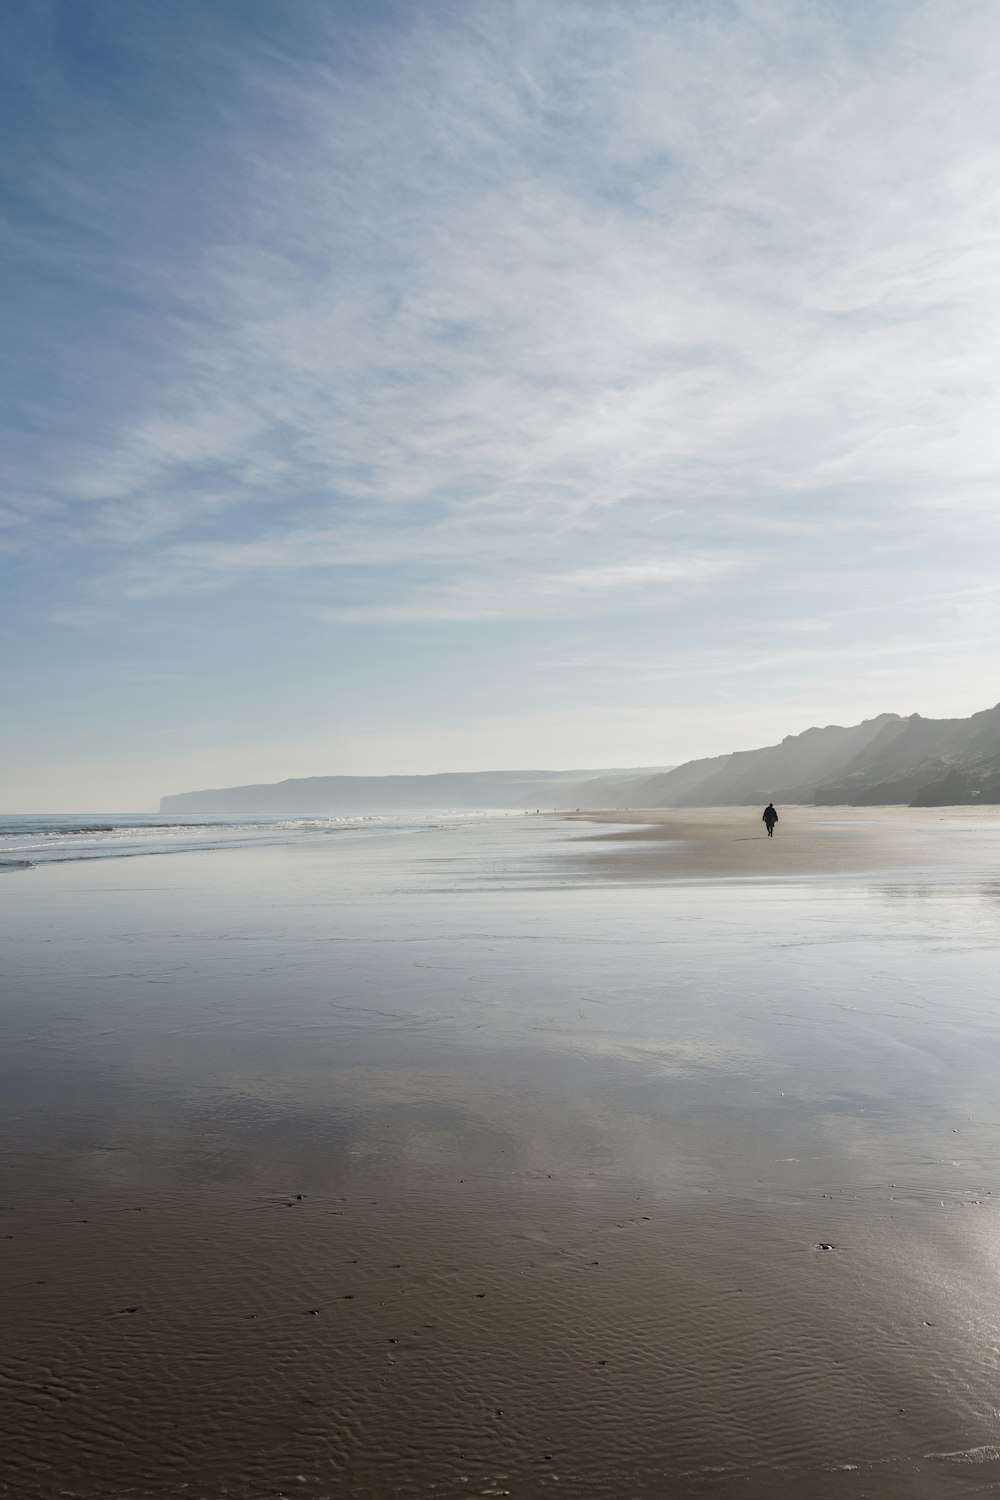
890, 760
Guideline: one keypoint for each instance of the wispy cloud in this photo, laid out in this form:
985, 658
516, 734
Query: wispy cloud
558, 267
505, 312
543, 595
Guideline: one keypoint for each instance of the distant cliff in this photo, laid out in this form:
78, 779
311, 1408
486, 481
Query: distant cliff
888, 759
342, 796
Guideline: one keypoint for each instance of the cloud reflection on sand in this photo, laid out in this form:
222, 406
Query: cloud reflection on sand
415, 1158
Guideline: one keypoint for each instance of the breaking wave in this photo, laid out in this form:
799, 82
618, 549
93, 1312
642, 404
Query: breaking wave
27, 841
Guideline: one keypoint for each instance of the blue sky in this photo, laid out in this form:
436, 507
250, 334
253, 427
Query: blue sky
444, 386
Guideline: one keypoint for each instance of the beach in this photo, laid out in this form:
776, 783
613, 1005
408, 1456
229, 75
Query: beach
730, 843
620, 1155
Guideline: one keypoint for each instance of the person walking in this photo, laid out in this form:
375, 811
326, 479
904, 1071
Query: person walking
770, 818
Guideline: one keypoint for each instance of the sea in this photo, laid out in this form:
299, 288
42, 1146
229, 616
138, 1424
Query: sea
27, 840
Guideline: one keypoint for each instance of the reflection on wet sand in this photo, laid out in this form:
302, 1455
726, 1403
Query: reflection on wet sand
321, 1181
727, 842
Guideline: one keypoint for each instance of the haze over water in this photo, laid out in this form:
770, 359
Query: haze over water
471, 1162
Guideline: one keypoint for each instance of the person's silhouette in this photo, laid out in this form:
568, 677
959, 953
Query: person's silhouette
770, 818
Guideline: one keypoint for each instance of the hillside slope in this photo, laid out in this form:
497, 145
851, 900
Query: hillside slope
888, 759
343, 796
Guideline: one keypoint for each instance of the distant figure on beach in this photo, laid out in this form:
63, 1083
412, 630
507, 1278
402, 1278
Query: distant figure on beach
770, 818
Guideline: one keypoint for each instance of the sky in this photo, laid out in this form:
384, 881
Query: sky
488, 383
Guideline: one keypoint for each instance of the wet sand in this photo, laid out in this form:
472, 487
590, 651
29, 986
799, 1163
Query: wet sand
474, 1166
732, 842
